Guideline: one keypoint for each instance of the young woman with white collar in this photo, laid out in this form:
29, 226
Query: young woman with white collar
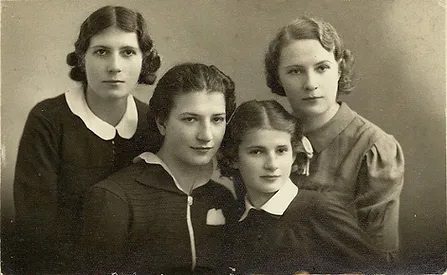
76, 139
164, 214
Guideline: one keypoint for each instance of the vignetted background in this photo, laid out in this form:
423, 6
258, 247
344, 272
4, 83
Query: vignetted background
400, 64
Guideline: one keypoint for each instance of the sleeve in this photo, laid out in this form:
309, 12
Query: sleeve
341, 245
380, 183
35, 185
105, 228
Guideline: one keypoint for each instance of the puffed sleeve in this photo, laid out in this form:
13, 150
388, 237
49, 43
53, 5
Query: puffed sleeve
105, 229
35, 186
380, 183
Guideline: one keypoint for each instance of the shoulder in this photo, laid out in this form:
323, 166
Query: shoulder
47, 115
369, 134
51, 107
118, 182
305, 201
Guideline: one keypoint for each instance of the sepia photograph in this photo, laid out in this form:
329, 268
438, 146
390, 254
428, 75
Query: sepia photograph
223, 137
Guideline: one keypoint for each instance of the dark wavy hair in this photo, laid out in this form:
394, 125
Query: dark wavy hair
309, 28
181, 79
126, 20
250, 115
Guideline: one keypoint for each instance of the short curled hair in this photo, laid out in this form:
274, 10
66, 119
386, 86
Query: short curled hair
309, 28
126, 20
181, 79
252, 115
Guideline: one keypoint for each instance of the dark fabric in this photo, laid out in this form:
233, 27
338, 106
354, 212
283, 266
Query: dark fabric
59, 158
300, 240
362, 169
136, 221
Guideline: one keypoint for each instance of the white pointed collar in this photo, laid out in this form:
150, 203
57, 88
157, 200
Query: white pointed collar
277, 204
152, 158
126, 128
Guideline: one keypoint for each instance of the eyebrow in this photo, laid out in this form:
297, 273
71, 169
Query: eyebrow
107, 47
194, 114
316, 64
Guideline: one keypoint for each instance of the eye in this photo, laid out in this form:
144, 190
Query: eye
129, 52
100, 52
219, 119
189, 119
323, 68
295, 71
282, 150
255, 152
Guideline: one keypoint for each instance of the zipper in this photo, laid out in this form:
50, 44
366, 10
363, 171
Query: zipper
191, 233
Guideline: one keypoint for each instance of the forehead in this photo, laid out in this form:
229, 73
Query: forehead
116, 37
266, 138
199, 102
305, 51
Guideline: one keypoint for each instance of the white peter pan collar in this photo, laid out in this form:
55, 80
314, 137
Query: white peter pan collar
126, 128
277, 204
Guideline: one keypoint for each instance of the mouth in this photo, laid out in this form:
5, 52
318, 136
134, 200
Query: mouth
270, 177
202, 149
113, 81
310, 98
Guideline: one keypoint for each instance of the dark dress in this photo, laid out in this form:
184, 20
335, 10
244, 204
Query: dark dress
361, 169
59, 158
299, 239
138, 220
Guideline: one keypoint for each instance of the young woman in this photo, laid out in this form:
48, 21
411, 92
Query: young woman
284, 229
359, 165
80, 137
163, 214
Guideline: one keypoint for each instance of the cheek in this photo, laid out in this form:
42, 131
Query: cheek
219, 132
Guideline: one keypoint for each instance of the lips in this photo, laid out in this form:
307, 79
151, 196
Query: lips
202, 148
113, 81
270, 177
312, 98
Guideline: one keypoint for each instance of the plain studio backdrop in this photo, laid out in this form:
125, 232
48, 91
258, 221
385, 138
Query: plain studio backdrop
400, 65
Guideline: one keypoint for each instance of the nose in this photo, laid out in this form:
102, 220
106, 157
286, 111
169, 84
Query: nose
114, 65
205, 132
311, 83
271, 163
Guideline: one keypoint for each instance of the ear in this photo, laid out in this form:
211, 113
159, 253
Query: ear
161, 126
294, 156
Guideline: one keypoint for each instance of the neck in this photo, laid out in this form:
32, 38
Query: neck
110, 111
258, 199
188, 176
311, 123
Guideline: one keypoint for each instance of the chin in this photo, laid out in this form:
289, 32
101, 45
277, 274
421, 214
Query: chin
200, 161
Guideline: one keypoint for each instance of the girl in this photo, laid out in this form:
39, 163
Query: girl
80, 137
283, 229
163, 214
355, 162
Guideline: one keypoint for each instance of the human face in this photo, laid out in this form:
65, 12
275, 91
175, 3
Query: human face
265, 159
112, 64
194, 129
309, 75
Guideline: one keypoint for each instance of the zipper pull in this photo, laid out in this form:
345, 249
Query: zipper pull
190, 200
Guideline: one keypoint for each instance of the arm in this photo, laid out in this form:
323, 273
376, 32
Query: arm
105, 230
35, 186
380, 183
341, 245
